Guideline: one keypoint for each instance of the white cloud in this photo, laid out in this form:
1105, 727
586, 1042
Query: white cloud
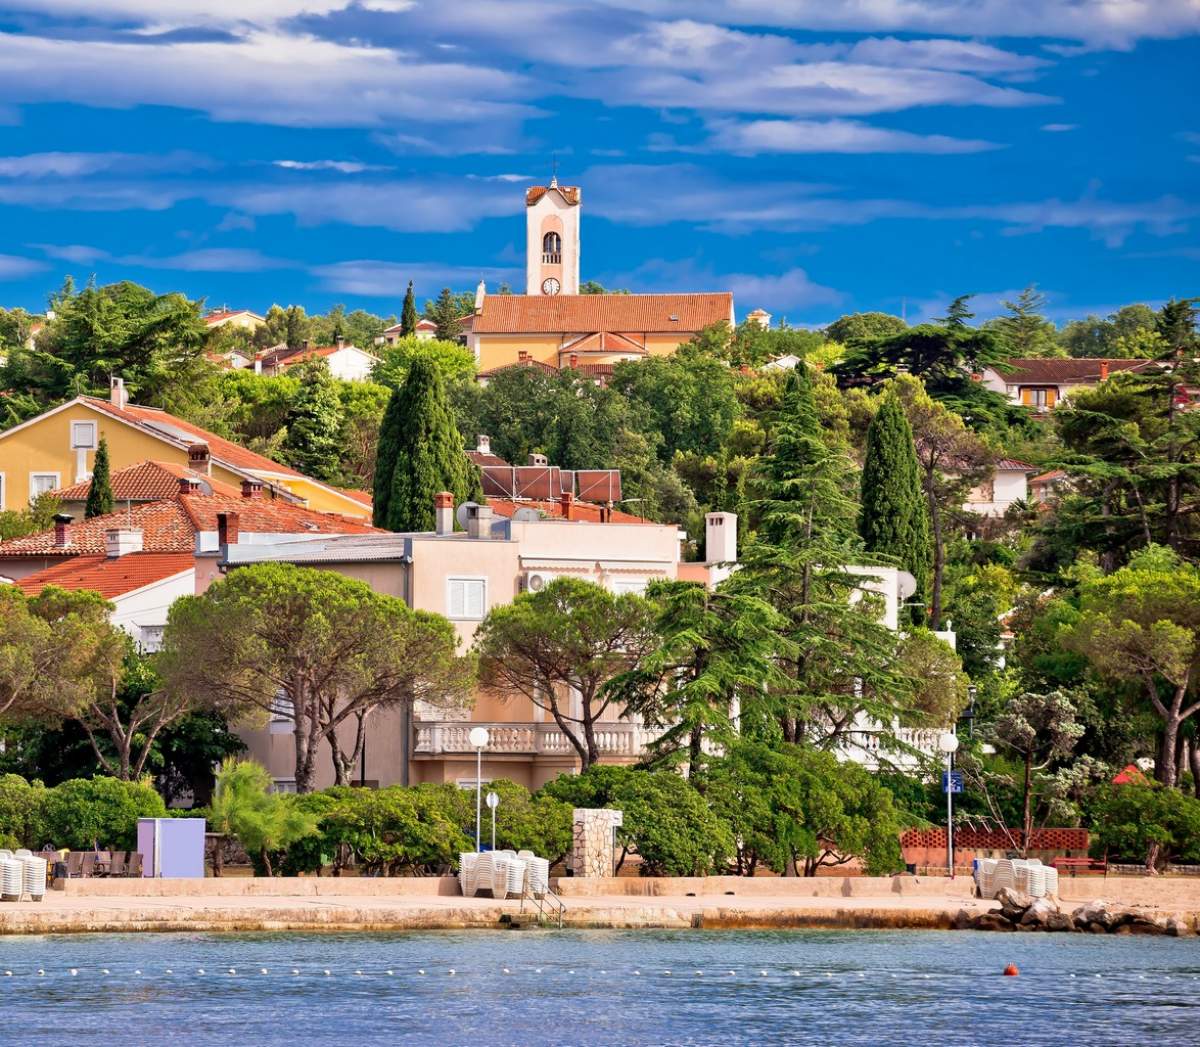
830, 136
262, 77
341, 166
966, 56
75, 165
13, 267
1059, 128
209, 260
80, 254
380, 279
789, 289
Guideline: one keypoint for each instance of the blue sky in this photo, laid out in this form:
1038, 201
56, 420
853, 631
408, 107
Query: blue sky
814, 157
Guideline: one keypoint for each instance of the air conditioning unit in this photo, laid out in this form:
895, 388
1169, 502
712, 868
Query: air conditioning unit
535, 581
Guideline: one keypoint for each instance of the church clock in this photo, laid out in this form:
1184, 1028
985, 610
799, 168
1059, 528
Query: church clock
551, 286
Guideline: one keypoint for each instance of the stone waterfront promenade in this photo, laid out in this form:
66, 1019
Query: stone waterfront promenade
347, 903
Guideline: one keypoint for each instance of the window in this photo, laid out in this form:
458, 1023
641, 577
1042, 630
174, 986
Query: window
1041, 397
151, 637
466, 598
552, 249
83, 436
40, 483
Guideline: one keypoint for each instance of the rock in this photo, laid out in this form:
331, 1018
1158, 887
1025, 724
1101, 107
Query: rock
963, 920
1177, 928
992, 921
1013, 903
1038, 914
1142, 924
1060, 921
1095, 916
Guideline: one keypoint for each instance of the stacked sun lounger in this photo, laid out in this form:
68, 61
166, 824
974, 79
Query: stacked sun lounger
1029, 876
503, 873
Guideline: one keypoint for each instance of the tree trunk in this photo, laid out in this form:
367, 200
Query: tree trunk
1027, 806
939, 561
695, 750
265, 858
1194, 761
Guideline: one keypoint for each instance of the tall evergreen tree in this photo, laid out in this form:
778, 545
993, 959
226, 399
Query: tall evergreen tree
408, 314
100, 493
447, 313
420, 453
314, 423
893, 516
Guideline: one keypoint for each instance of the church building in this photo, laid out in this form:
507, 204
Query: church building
552, 325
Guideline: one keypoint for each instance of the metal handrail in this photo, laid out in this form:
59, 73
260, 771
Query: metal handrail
550, 907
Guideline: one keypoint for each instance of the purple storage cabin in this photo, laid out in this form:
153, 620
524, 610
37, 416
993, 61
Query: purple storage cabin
172, 847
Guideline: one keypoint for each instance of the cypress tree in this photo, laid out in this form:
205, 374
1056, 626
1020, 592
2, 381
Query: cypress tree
100, 493
894, 516
408, 314
420, 453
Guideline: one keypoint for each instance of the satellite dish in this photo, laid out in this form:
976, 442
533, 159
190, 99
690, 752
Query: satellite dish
907, 584
463, 511
527, 515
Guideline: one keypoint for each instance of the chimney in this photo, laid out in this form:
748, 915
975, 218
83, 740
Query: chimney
480, 295
117, 396
189, 485
574, 361
62, 530
522, 356
538, 459
340, 342
566, 502
251, 488
258, 364
720, 538
118, 541
483, 444
1104, 370
443, 512
200, 459
227, 529
304, 344
479, 522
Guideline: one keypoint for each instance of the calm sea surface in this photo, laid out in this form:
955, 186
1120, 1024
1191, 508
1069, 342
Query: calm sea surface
599, 987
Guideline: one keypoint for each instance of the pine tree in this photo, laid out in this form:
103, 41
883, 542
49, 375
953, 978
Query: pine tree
420, 453
100, 493
408, 314
314, 423
893, 516
446, 312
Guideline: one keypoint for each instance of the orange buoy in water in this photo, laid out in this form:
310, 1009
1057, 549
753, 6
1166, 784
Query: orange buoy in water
1011, 970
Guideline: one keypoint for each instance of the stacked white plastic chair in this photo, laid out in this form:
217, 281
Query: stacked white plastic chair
1003, 876
538, 872
467, 872
1035, 880
1051, 880
517, 872
34, 869
985, 876
499, 878
12, 879
485, 871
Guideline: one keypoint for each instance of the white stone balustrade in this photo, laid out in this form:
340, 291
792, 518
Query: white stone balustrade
528, 739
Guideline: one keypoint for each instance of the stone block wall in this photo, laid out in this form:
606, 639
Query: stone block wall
592, 844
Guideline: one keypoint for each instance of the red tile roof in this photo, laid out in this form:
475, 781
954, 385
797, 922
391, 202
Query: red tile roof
586, 313
585, 512
1053, 371
148, 481
284, 357
217, 315
491, 372
1053, 474
1015, 465
109, 576
570, 193
180, 432
603, 342
362, 497
170, 525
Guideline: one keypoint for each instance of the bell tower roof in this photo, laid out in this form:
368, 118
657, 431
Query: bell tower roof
570, 193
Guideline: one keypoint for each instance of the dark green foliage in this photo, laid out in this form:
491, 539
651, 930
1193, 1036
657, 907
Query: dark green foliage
893, 513
314, 422
666, 822
22, 812
100, 493
83, 813
1147, 823
1024, 330
420, 453
408, 313
857, 327
447, 313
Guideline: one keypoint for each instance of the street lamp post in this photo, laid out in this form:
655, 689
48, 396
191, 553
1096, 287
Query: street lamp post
479, 740
493, 801
948, 743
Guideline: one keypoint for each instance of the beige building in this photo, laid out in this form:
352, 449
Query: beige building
462, 575
1043, 382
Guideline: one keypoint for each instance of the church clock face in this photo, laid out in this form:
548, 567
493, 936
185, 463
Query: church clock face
551, 286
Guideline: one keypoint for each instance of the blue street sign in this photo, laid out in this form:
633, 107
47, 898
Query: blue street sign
952, 781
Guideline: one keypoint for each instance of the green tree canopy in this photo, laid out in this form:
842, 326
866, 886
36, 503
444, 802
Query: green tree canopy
314, 424
263, 821
1024, 330
859, 327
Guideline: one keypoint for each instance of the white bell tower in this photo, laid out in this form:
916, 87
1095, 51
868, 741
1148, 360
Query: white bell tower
552, 239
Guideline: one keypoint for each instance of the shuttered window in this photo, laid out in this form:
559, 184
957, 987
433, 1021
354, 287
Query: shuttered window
466, 598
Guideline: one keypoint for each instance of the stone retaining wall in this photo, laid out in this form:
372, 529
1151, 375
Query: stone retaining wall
782, 887
264, 887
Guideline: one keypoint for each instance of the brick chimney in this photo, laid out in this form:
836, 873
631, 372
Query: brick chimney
119, 541
574, 360
251, 488
200, 458
443, 512
340, 342
566, 502
189, 485
62, 530
227, 529
117, 396
1104, 370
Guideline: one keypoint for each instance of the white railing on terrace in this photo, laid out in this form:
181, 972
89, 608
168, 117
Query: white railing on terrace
529, 739
868, 747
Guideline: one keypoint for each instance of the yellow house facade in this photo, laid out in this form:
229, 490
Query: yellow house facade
58, 447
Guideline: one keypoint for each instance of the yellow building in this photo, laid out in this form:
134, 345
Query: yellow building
556, 326
57, 449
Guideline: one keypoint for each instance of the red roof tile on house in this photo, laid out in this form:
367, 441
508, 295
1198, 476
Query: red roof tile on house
218, 315
1015, 465
109, 576
362, 497
586, 313
570, 193
1077, 370
604, 342
491, 372
148, 481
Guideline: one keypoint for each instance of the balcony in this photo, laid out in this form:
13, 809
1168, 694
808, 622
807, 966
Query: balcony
450, 738
552, 258
864, 747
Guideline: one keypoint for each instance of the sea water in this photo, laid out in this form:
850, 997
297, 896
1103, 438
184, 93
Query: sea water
599, 987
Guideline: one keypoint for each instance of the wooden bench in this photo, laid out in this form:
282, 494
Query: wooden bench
1076, 865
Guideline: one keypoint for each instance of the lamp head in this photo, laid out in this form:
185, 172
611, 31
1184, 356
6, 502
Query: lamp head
492, 800
948, 743
478, 737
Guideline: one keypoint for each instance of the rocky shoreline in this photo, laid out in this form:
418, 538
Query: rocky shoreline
1020, 912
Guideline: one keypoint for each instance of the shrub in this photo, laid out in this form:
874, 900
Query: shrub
265, 823
1147, 823
666, 821
83, 813
22, 812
